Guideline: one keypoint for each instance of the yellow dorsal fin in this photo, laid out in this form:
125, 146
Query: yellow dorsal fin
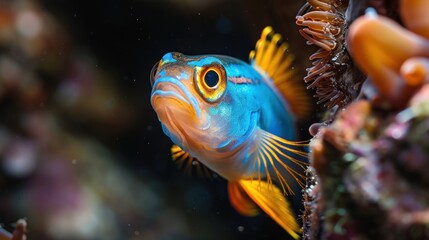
188, 163
241, 201
272, 201
271, 56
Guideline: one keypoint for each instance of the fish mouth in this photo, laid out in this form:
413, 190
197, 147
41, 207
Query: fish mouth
171, 91
177, 109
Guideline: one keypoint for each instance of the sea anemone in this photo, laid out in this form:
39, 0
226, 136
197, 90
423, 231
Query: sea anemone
333, 75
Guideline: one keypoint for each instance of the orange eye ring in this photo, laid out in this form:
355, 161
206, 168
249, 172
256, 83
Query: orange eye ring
210, 82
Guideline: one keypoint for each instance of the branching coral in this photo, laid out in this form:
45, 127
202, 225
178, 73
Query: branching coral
369, 167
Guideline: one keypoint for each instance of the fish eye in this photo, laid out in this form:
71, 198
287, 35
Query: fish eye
211, 78
210, 82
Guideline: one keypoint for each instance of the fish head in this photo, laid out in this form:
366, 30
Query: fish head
199, 103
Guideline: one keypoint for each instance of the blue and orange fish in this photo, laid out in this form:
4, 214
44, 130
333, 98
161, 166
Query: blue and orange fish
238, 120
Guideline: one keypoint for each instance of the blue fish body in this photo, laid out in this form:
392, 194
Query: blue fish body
250, 102
237, 119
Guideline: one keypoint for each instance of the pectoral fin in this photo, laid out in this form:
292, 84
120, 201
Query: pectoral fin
271, 200
283, 157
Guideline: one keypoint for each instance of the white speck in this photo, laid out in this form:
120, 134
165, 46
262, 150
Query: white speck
240, 228
74, 161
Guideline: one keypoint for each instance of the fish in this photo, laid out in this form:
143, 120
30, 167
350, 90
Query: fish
238, 120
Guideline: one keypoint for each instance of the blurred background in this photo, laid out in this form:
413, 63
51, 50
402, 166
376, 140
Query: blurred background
82, 154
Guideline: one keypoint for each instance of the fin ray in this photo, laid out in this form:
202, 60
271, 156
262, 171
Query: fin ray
280, 154
188, 163
271, 55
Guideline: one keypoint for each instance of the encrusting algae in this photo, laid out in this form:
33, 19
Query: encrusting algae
368, 176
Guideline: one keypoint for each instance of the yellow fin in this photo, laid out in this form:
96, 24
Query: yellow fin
271, 56
279, 157
272, 201
241, 201
188, 163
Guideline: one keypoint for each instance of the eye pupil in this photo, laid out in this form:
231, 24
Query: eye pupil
211, 78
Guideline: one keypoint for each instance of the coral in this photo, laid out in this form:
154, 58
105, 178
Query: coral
368, 178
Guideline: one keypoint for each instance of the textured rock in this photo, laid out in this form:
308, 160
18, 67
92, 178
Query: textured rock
369, 166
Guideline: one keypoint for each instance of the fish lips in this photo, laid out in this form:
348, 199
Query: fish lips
173, 93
